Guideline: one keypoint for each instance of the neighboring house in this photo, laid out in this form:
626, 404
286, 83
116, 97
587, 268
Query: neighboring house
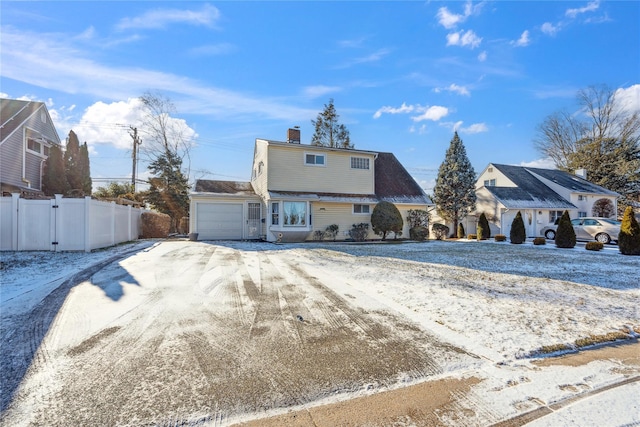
541, 195
26, 135
297, 189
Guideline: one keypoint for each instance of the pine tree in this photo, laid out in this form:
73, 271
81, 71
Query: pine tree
54, 180
629, 236
72, 162
565, 234
454, 192
328, 132
518, 234
461, 233
84, 168
169, 189
483, 224
386, 218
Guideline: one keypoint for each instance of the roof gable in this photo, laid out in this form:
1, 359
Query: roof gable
13, 113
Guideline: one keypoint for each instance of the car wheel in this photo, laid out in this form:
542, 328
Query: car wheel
603, 238
550, 234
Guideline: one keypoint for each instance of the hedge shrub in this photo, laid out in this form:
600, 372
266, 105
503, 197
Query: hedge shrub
565, 234
359, 232
386, 218
594, 246
629, 237
539, 241
155, 225
440, 231
461, 232
472, 236
419, 233
518, 234
483, 227
500, 238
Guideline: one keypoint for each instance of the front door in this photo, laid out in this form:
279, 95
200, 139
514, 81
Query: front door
253, 220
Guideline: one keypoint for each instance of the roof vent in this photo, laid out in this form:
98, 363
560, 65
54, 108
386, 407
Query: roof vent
293, 135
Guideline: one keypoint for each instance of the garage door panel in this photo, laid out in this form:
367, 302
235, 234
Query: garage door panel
218, 221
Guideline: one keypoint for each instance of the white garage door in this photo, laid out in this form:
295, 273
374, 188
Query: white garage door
219, 221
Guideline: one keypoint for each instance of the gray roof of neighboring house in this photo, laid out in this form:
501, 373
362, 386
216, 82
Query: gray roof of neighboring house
529, 193
237, 188
13, 113
571, 181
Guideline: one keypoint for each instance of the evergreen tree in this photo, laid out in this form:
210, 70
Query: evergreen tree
385, 218
483, 224
629, 237
454, 193
565, 234
461, 232
85, 170
328, 132
518, 234
169, 189
54, 180
72, 162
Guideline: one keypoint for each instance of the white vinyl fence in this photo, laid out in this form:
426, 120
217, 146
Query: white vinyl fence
65, 224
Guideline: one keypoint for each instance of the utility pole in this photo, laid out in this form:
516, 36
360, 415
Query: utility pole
134, 154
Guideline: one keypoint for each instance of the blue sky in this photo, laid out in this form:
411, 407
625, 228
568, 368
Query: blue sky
403, 75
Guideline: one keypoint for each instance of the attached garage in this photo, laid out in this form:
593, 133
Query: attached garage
225, 210
219, 221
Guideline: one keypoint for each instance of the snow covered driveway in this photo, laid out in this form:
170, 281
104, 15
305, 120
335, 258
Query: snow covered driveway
189, 331
185, 333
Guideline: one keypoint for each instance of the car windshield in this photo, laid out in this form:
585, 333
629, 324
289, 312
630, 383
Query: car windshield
576, 221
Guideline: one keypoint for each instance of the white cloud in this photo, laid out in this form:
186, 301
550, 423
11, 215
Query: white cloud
482, 56
110, 124
450, 20
590, 7
549, 29
161, 18
546, 163
629, 99
320, 90
433, 113
462, 38
403, 109
51, 62
474, 128
523, 40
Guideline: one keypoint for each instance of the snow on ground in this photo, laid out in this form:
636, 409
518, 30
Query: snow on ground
499, 301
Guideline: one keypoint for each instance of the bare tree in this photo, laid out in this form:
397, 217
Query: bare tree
602, 137
162, 132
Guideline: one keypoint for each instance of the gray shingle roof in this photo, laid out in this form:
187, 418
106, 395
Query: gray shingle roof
529, 193
238, 188
394, 184
571, 181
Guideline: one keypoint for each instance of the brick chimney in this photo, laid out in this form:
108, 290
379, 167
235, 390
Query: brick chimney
582, 173
293, 135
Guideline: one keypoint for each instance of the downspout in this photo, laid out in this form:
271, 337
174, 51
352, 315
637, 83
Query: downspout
24, 157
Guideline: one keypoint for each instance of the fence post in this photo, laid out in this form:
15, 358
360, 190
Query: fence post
87, 223
15, 208
56, 221
129, 218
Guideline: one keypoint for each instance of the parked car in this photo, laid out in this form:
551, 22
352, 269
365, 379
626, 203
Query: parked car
603, 230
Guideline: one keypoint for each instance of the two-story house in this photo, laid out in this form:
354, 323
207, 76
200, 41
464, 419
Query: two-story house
26, 135
296, 189
541, 195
